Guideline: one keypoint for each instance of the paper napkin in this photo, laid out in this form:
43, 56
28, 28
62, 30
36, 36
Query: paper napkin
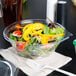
32, 67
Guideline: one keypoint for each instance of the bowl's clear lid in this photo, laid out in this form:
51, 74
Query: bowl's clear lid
44, 21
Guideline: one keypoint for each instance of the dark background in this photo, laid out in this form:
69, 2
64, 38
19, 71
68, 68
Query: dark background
36, 9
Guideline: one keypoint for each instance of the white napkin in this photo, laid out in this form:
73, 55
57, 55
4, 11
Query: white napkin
32, 66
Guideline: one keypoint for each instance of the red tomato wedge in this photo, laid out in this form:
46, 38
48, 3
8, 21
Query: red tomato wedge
17, 33
21, 45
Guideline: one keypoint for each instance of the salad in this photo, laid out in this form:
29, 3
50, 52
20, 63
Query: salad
30, 37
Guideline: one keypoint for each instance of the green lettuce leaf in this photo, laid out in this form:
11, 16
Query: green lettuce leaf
13, 37
46, 30
57, 30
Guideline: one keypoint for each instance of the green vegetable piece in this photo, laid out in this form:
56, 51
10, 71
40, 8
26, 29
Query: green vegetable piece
13, 37
59, 38
38, 39
29, 47
46, 30
20, 39
52, 31
33, 40
57, 30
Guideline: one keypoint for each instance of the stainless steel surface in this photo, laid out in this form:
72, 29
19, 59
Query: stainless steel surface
6, 68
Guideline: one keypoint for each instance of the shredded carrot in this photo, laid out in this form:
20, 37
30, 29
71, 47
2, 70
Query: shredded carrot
19, 27
26, 42
20, 36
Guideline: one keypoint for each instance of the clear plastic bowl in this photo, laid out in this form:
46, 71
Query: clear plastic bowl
38, 50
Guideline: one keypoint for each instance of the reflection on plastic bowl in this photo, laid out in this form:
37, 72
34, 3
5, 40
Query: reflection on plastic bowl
5, 68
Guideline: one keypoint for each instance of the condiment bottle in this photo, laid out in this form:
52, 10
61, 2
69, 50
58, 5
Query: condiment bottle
74, 43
